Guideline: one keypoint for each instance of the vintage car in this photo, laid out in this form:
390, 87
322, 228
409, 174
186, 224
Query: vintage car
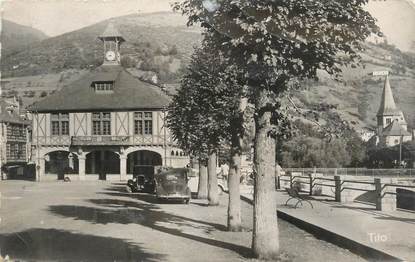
143, 179
171, 184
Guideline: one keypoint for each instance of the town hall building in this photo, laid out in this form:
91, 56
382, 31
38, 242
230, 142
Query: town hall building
104, 124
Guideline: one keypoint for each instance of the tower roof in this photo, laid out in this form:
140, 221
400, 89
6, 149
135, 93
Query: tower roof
387, 104
111, 32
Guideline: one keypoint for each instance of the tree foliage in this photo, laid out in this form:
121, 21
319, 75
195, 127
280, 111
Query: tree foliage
310, 147
274, 43
201, 110
276, 40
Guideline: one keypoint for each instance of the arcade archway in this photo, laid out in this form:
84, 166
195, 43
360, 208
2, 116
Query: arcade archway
102, 163
60, 163
144, 158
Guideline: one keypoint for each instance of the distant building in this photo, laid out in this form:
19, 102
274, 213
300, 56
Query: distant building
392, 128
366, 135
14, 134
103, 125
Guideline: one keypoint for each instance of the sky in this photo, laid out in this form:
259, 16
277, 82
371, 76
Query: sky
55, 17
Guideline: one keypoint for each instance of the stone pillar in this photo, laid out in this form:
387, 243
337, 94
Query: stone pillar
40, 168
102, 165
337, 188
93, 162
123, 167
385, 195
81, 167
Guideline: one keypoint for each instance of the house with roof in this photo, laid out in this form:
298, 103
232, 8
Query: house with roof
104, 125
392, 128
14, 139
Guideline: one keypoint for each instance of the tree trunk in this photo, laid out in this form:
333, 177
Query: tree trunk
265, 242
213, 195
202, 189
234, 176
234, 206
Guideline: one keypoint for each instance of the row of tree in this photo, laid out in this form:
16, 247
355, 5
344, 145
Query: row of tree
252, 53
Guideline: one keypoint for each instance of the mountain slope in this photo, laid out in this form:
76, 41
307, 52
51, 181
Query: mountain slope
159, 45
15, 37
156, 42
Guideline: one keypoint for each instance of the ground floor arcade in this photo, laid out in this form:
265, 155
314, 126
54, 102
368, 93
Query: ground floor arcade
102, 162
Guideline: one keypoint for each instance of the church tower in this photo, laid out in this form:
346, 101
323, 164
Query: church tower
388, 112
112, 39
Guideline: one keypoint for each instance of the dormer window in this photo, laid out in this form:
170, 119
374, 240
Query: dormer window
104, 87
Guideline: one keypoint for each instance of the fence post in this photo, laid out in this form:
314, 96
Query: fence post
337, 188
277, 180
311, 180
385, 195
291, 180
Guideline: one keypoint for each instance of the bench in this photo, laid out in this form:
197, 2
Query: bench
294, 193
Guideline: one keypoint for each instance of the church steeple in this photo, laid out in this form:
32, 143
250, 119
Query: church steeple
388, 111
387, 103
112, 39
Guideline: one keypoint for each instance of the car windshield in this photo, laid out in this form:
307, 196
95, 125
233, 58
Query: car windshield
174, 174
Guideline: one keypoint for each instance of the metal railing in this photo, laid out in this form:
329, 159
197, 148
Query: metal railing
338, 185
390, 172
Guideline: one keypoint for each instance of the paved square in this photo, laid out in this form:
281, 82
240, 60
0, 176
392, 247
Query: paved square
99, 221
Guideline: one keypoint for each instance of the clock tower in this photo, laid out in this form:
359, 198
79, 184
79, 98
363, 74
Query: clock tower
112, 39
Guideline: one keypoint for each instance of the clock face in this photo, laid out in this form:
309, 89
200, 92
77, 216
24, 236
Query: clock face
110, 55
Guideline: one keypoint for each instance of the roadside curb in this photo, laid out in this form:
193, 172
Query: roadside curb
367, 252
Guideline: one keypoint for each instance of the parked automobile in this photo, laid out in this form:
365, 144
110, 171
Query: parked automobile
143, 179
171, 184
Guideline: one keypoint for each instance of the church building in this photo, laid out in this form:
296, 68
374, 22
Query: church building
104, 124
392, 126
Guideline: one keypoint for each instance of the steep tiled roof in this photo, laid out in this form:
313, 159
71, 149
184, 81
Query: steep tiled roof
9, 117
129, 93
395, 129
387, 104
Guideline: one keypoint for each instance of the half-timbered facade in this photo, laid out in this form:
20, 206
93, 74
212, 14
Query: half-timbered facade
13, 139
104, 124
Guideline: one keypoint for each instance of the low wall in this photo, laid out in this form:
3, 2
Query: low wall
385, 194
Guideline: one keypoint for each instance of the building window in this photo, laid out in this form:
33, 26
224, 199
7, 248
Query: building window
60, 124
143, 123
15, 151
15, 132
104, 87
388, 121
101, 123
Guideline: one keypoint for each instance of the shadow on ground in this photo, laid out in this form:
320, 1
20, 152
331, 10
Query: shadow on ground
144, 212
59, 245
